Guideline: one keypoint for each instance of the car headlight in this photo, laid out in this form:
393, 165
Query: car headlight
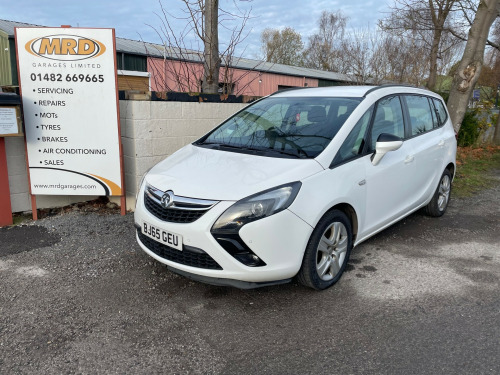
256, 207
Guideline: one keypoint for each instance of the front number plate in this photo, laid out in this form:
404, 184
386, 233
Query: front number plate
162, 236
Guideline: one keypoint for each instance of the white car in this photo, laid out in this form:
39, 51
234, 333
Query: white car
289, 185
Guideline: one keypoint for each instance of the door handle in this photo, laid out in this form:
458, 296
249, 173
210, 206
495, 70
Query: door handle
409, 159
441, 143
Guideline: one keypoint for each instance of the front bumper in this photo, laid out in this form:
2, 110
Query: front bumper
279, 240
228, 282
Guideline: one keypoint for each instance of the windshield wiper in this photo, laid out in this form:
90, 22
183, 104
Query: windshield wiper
216, 144
228, 145
300, 154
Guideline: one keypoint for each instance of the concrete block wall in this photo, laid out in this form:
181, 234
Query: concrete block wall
18, 174
151, 131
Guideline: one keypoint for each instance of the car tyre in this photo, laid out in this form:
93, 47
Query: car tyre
327, 251
439, 202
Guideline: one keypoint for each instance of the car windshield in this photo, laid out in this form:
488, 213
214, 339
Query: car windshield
299, 127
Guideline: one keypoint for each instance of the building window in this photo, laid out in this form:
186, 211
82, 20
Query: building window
134, 63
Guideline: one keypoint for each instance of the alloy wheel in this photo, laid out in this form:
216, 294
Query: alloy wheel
444, 192
331, 251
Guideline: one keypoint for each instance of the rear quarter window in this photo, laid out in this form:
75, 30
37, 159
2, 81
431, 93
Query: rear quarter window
441, 113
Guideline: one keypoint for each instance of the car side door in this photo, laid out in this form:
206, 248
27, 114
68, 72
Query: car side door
390, 186
427, 140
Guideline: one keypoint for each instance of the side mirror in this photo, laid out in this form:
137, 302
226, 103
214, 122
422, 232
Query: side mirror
385, 143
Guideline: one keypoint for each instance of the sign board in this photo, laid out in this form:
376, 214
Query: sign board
68, 88
476, 94
10, 121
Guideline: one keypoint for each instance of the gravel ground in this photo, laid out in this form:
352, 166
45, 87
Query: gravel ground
78, 296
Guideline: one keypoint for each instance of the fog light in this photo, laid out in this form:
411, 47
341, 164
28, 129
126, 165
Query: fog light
235, 246
250, 260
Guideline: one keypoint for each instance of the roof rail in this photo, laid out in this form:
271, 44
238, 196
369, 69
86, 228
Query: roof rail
388, 85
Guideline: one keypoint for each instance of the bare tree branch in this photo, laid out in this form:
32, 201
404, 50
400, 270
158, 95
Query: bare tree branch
182, 67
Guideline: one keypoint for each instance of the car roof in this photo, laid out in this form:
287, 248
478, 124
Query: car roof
350, 91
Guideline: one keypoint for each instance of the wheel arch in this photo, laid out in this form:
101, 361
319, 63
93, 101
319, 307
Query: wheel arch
351, 214
451, 168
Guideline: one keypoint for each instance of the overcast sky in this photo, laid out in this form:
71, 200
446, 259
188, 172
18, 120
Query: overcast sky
131, 18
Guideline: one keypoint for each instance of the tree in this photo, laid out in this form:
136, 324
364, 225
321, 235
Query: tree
468, 9
358, 48
439, 11
489, 80
184, 67
469, 69
490, 72
496, 134
369, 56
495, 61
427, 21
210, 38
324, 49
282, 46
397, 59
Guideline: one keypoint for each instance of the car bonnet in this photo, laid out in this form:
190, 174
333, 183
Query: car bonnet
197, 172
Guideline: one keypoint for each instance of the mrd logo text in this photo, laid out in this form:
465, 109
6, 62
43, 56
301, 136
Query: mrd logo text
65, 47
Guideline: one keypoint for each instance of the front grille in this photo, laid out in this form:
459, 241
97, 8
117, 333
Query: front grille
173, 215
167, 206
187, 257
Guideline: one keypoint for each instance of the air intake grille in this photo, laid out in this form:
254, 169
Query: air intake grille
169, 207
187, 257
173, 215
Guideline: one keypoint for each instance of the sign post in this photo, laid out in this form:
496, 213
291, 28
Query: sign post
67, 79
476, 93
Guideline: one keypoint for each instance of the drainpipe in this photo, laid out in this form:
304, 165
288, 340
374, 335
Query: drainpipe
260, 84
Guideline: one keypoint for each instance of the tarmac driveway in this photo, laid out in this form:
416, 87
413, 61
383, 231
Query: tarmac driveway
423, 297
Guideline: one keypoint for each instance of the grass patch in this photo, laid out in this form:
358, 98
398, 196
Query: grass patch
474, 170
20, 218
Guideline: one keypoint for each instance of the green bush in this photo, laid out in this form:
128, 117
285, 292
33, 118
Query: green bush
444, 94
470, 129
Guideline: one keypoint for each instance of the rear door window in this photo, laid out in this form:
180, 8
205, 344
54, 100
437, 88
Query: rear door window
420, 114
